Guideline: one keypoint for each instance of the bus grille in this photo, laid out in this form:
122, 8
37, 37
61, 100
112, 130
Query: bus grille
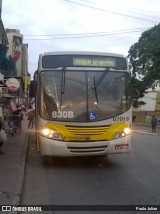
88, 130
91, 149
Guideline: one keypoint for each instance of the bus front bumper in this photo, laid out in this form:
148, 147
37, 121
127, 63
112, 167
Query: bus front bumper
50, 147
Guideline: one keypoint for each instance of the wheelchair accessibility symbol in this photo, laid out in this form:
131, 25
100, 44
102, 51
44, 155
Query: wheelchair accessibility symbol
92, 115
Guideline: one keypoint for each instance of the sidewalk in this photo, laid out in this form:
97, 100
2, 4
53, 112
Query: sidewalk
13, 161
144, 128
12, 166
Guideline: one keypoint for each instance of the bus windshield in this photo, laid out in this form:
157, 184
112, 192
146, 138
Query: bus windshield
83, 95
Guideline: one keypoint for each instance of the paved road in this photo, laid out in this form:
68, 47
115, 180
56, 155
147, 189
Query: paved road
13, 163
118, 179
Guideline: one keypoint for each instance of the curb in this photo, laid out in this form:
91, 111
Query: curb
16, 201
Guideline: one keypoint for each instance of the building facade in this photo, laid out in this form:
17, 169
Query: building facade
13, 62
3, 36
144, 113
3, 50
19, 54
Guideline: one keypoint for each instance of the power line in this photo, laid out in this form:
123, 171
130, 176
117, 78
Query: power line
87, 1
81, 34
85, 36
146, 11
109, 11
144, 14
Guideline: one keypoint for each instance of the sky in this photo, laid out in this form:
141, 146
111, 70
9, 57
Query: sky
79, 25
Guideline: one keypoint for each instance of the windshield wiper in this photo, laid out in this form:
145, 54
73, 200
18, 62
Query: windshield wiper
99, 82
95, 89
63, 80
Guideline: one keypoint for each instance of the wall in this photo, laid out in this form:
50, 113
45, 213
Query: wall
157, 105
145, 116
24, 61
144, 113
152, 100
19, 54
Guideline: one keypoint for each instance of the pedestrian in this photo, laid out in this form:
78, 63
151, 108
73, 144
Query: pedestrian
19, 115
154, 123
20, 120
3, 137
1, 112
9, 115
31, 115
1, 122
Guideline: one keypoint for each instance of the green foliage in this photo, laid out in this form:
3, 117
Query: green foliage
144, 57
138, 90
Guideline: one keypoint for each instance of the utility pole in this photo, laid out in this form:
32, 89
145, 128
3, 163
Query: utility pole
0, 8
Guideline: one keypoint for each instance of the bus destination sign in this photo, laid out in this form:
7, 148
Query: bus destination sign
56, 61
94, 62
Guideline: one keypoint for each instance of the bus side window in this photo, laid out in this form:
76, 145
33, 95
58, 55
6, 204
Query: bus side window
33, 88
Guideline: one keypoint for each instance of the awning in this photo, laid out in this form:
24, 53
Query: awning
8, 66
3, 51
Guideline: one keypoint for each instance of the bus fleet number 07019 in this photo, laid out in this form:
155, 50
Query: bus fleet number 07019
121, 119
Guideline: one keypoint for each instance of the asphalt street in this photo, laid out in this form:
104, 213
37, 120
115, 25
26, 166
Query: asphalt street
13, 164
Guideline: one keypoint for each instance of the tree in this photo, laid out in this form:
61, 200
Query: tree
138, 90
144, 57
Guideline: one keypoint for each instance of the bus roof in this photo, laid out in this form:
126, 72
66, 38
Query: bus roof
82, 53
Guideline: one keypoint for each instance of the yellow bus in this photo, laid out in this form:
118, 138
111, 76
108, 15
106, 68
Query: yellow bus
83, 104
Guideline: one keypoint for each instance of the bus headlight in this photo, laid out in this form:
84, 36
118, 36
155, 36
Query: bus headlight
127, 131
122, 133
49, 133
